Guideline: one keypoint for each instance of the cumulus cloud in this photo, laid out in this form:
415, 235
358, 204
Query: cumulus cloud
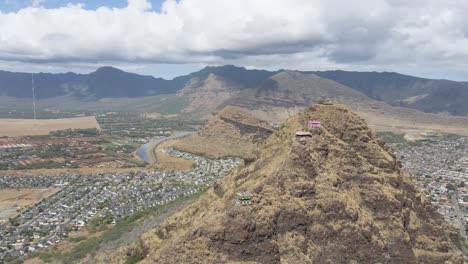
375, 34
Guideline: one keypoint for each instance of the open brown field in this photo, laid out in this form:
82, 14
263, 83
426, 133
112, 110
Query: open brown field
11, 199
413, 129
167, 162
385, 118
31, 127
214, 148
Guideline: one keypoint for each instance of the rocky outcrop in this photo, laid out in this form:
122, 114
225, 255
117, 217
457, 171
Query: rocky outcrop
232, 132
339, 196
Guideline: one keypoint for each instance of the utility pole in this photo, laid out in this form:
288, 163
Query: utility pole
33, 95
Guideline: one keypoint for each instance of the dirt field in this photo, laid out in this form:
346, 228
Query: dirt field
412, 130
30, 127
11, 199
394, 119
167, 162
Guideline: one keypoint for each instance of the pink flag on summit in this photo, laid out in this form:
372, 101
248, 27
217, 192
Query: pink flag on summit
313, 123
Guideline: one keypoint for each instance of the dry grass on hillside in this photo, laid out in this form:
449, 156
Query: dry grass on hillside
31, 127
338, 197
167, 162
214, 147
232, 132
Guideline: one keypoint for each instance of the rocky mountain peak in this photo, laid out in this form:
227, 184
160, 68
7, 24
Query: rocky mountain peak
333, 194
108, 70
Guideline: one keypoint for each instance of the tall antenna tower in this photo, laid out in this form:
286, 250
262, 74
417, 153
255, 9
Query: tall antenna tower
33, 95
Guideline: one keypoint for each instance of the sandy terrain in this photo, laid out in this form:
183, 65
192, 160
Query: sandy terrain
31, 127
412, 130
167, 162
11, 199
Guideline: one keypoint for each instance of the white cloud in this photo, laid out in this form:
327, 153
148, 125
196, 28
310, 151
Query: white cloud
420, 35
37, 3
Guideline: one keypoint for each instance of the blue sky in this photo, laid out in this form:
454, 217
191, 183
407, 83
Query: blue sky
15, 5
417, 37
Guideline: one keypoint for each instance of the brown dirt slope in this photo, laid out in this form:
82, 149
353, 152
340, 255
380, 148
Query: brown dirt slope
207, 95
337, 197
232, 132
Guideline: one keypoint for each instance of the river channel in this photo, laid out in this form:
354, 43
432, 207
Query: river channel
144, 152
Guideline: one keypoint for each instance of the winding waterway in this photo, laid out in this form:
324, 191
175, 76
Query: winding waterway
144, 152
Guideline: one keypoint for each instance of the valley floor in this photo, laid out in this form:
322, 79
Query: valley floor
412, 130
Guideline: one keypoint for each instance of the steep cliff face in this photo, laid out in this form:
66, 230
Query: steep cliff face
339, 196
232, 132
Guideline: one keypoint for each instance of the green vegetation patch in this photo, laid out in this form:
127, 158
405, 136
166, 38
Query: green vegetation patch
134, 258
170, 104
399, 139
99, 223
391, 137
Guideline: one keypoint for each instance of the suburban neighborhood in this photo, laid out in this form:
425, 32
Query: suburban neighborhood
98, 199
439, 167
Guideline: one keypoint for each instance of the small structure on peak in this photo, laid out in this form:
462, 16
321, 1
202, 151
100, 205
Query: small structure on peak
314, 124
244, 198
302, 135
326, 102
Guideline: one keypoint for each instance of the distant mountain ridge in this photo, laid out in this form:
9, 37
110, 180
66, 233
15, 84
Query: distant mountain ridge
110, 82
104, 82
408, 91
436, 96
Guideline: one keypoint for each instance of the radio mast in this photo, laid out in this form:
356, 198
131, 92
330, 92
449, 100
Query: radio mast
33, 95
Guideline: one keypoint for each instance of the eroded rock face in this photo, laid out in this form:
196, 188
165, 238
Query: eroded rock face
336, 197
232, 132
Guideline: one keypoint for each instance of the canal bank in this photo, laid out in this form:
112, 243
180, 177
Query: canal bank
146, 151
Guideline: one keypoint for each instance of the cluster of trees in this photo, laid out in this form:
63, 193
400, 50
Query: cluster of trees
99, 223
91, 132
3, 166
453, 187
52, 151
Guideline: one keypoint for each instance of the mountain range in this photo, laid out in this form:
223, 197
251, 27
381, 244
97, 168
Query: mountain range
236, 85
